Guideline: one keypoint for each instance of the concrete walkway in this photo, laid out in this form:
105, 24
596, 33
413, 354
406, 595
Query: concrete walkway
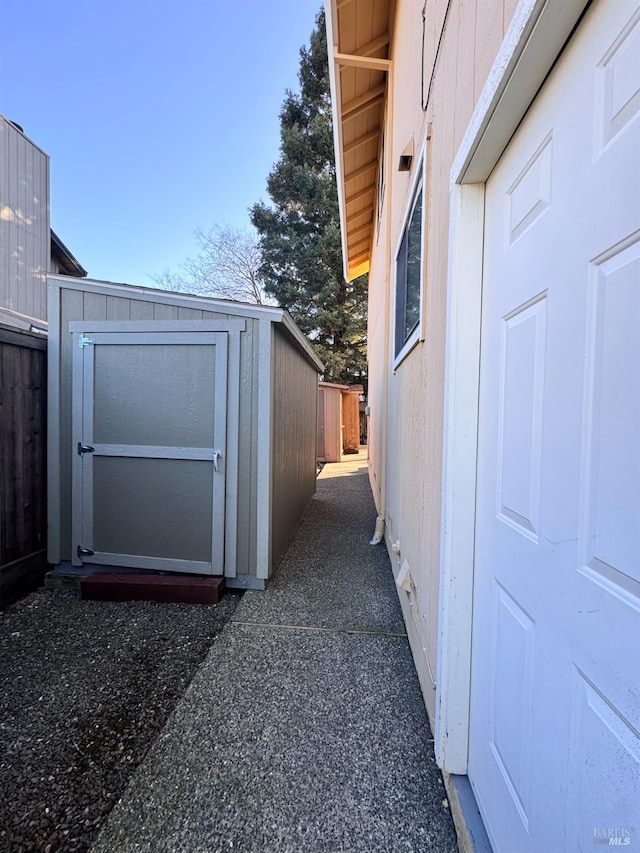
304, 730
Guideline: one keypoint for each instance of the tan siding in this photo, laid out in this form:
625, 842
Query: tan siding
406, 422
294, 402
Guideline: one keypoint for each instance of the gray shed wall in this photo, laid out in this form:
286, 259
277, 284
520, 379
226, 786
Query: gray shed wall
24, 223
77, 304
294, 419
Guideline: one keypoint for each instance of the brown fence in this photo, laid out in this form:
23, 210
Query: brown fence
23, 524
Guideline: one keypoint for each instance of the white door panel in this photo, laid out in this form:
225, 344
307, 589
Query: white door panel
555, 708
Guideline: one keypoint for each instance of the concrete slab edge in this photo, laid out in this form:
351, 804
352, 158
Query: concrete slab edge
246, 582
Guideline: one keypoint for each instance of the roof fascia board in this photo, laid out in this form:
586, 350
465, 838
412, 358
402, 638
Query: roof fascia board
331, 13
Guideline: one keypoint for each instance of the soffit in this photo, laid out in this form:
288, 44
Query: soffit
358, 35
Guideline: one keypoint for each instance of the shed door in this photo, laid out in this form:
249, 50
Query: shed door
149, 442
554, 754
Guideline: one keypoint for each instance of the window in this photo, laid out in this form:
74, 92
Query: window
409, 277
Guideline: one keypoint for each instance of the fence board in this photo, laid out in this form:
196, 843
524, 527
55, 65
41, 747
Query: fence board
22, 463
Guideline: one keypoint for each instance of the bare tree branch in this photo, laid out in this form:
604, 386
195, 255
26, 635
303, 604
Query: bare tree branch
227, 266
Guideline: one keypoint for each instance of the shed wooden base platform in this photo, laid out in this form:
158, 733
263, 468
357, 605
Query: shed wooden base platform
179, 589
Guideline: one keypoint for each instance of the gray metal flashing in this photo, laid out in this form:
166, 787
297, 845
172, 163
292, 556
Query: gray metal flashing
22, 337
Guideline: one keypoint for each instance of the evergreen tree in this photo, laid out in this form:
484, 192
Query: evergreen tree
299, 231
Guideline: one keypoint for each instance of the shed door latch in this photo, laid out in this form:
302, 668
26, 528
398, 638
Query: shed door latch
85, 342
217, 454
84, 552
85, 448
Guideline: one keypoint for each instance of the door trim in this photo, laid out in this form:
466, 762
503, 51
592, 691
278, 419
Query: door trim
536, 37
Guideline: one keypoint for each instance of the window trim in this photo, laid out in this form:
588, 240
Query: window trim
418, 186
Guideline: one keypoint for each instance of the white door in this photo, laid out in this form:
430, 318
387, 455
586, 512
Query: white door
149, 426
554, 751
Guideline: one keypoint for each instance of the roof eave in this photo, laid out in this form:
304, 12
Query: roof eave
336, 101
361, 58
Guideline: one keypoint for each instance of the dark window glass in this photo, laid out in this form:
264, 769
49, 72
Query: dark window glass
409, 276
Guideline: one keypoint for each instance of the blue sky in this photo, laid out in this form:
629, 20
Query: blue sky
159, 116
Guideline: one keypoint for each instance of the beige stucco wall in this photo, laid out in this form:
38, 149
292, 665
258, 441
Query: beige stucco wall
406, 450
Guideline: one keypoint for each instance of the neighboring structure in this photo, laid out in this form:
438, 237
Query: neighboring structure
62, 261
25, 235
29, 248
489, 181
182, 431
338, 421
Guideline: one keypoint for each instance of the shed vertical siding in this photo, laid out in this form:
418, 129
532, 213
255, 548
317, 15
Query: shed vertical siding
22, 463
294, 418
87, 302
272, 398
24, 223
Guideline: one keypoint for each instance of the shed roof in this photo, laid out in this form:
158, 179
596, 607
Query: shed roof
203, 303
358, 38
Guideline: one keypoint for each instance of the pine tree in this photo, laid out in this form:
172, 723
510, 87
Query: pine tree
299, 231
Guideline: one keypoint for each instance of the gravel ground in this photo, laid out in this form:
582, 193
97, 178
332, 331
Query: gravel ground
85, 688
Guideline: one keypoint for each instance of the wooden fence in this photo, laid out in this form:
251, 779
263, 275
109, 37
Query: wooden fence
23, 517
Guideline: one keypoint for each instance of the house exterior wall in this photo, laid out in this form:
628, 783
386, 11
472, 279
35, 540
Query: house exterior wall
24, 224
294, 419
405, 444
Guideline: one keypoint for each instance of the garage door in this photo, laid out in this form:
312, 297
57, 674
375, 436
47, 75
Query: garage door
555, 710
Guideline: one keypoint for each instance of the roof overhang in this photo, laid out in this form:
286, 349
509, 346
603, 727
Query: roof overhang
358, 40
68, 264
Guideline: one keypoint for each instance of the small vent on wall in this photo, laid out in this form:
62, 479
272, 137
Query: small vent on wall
404, 579
406, 158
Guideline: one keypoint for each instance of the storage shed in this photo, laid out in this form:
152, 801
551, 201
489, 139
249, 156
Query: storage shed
182, 431
338, 420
